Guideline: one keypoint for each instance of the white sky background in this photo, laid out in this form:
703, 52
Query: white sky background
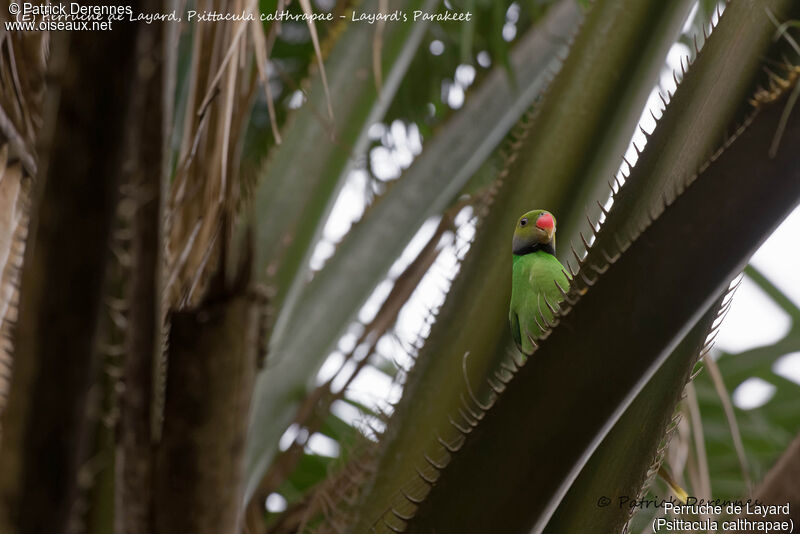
752, 321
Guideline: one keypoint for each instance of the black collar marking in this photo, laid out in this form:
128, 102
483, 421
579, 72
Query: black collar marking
549, 248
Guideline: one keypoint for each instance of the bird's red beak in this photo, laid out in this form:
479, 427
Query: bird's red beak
546, 223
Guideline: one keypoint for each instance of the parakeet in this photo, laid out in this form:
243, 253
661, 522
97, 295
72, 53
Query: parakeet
535, 274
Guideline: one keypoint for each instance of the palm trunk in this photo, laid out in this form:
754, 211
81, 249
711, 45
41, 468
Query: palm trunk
44, 423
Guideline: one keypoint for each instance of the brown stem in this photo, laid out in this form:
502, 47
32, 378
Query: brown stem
145, 174
212, 360
44, 423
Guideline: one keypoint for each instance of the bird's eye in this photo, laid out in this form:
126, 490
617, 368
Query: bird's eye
523, 222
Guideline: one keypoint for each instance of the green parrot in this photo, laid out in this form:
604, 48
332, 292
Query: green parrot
536, 271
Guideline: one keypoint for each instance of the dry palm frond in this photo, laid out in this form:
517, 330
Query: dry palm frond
306, 6
22, 63
730, 416
21, 96
14, 194
262, 47
206, 190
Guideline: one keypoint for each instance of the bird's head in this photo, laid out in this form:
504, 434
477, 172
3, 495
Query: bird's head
536, 230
